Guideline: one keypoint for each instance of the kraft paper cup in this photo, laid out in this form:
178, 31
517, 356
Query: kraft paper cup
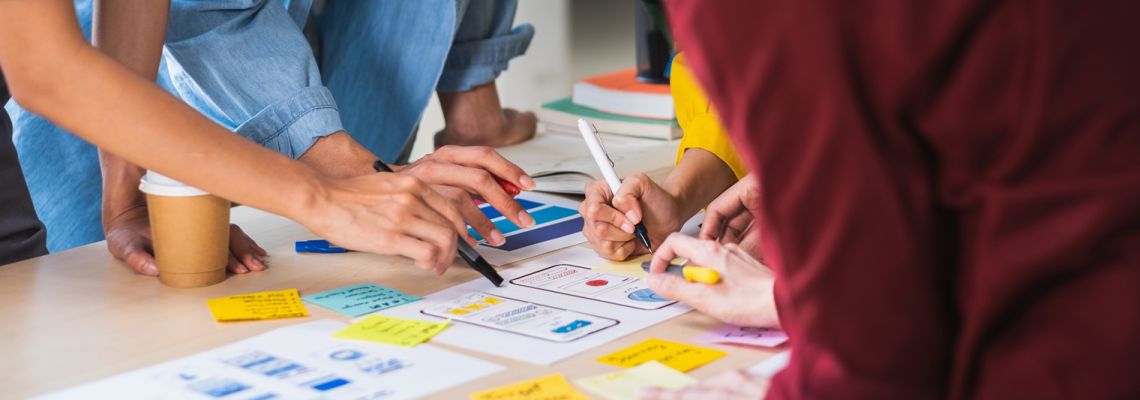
191, 231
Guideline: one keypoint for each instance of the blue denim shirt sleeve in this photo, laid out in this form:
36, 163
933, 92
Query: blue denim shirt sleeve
484, 43
246, 65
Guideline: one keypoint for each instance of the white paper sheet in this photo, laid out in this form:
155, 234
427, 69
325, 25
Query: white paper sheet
769, 367
567, 152
300, 361
530, 349
500, 257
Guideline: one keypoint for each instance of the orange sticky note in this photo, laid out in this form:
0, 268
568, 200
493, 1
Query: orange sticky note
679, 356
550, 387
258, 306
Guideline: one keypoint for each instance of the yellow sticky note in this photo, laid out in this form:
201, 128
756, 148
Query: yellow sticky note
679, 356
628, 383
257, 306
550, 387
630, 268
400, 332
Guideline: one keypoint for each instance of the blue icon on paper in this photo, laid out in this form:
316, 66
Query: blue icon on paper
646, 295
571, 327
346, 355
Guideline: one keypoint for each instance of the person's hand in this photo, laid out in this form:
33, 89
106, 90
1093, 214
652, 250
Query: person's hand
389, 214
744, 296
728, 385
729, 218
609, 228
472, 171
129, 239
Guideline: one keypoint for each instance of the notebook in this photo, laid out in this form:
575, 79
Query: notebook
621, 93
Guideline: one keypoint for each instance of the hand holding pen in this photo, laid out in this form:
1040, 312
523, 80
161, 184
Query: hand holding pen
615, 223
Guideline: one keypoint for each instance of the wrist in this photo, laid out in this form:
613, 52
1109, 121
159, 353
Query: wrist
313, 198
339, 156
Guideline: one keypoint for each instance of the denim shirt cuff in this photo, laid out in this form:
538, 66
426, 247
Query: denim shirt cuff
476, 62
292, 125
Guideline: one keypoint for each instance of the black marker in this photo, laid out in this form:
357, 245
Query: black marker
466, 252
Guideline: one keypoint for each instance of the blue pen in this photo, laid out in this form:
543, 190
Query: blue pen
317, 246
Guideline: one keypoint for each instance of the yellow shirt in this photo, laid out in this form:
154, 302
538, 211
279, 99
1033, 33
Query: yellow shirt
698, 121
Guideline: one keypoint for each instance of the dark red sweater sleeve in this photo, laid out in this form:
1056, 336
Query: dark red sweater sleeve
948, 187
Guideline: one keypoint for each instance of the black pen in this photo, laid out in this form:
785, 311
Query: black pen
466, 252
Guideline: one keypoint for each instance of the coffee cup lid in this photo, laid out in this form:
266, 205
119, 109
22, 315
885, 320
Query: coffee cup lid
161, 185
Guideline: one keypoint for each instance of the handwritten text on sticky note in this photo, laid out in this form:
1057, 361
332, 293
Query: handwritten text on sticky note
679, 356
628, 383
763, 337
260, 305
550, 387
357, 300
397, 331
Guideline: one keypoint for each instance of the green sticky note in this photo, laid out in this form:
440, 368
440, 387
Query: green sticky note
357, 300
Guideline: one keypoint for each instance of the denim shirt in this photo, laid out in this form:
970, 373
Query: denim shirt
246, 65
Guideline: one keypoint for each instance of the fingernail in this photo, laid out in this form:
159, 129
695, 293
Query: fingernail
526, 219
526, 182
631, 215
150, 269
241, 269
497, 238
627, 228
257, 261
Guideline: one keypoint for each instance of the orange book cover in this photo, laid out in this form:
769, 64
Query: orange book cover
626, 81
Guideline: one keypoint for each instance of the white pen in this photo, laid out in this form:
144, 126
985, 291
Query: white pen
606, 165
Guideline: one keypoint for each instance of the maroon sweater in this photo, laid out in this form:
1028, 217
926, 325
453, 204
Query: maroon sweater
951, 189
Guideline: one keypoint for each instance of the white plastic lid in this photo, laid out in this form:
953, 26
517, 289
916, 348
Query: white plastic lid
160, 185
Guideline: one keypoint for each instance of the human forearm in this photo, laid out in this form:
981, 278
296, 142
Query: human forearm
131, 32
143, 124
52, 72
697, 180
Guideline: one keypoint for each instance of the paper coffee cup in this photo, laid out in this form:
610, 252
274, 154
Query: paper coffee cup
191, 232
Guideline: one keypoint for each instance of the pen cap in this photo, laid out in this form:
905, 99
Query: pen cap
701, 274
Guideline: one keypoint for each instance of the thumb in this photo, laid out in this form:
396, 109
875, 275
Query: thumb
139, 259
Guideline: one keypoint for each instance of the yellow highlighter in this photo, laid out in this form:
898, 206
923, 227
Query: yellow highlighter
691, 273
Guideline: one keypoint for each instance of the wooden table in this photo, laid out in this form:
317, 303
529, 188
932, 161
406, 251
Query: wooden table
80, 315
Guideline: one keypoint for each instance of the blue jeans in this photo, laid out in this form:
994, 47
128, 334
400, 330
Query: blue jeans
382, 59
246, 65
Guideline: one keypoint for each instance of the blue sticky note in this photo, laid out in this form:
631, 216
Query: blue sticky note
357, 300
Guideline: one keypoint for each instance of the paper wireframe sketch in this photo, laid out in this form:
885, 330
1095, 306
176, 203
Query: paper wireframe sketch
299, 361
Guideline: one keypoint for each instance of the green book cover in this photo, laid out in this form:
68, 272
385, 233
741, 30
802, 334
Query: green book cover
567, 106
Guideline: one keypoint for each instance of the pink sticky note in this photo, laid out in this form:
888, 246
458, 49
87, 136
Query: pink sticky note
762, 337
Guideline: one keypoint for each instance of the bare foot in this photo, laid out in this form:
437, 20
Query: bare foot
476, 118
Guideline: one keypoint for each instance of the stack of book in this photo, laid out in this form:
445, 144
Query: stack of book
617, 104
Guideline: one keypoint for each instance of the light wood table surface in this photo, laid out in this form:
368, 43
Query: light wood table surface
80, 315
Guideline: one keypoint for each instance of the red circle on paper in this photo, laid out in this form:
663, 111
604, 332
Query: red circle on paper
597, 282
